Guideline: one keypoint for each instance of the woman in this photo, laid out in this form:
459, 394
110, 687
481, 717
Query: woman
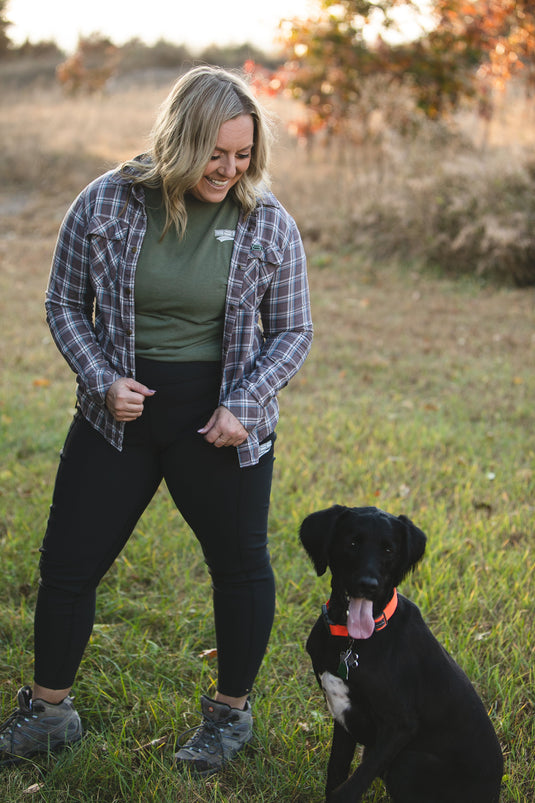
178, 295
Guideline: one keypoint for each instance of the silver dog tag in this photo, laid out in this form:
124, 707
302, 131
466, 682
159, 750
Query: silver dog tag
348, 660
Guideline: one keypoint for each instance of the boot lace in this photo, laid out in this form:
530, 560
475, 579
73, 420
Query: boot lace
15, 720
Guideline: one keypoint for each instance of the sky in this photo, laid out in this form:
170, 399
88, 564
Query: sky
195, 23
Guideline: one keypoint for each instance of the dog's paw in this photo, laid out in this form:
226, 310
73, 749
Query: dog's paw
336, 796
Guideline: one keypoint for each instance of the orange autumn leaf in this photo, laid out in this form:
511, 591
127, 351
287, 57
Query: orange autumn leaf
211, 653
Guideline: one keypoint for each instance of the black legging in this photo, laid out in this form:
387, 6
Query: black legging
100, 494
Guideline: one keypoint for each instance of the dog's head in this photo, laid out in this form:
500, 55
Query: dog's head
368, 551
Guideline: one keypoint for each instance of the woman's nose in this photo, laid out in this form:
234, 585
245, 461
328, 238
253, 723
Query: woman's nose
228, 167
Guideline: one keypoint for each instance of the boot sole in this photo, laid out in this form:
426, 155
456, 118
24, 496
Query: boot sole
12, 759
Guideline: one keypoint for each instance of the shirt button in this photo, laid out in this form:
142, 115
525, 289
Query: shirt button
128, 332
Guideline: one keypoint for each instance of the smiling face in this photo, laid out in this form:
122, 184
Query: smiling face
230, 160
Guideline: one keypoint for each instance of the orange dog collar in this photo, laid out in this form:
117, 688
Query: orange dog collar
380, 621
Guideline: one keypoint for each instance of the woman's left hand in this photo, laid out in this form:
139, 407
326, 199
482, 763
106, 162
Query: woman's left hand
224, 429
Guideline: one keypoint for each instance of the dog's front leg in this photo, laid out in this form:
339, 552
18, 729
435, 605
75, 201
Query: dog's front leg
374, 762
342, 752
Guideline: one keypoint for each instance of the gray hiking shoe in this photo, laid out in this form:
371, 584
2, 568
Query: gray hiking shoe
221, 734
37, 727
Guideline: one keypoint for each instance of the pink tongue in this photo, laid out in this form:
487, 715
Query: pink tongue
360, 623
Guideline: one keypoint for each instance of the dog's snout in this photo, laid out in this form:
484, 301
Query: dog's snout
367, 585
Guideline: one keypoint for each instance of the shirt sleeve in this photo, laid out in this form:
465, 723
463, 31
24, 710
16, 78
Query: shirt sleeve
287, 331
70, 303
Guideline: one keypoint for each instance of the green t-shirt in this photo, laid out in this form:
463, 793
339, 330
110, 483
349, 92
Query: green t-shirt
181, 285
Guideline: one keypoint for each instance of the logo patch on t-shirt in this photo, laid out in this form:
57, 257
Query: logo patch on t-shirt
223, 235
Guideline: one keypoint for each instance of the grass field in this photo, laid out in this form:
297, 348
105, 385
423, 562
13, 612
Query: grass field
417, 397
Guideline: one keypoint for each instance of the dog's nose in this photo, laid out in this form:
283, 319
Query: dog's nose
367, 585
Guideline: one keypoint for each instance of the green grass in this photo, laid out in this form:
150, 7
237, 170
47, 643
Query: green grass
417, 397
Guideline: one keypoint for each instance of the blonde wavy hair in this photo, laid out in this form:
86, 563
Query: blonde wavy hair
184, 136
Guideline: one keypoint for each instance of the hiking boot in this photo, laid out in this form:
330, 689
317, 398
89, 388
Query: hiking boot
37, 727
222, 732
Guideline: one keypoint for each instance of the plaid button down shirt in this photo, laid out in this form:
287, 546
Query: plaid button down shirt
90, 306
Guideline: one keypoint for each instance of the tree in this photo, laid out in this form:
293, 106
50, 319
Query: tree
5, 41
501, 31
92, 65
329, 56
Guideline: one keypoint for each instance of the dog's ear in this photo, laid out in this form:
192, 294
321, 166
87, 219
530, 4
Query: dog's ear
316, 534
414, 541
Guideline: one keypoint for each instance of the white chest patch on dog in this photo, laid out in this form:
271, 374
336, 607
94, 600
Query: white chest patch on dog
336, 694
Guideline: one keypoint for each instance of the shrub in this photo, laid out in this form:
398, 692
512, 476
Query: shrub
418, 190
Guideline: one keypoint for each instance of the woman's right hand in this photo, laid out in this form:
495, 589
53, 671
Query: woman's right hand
125, 399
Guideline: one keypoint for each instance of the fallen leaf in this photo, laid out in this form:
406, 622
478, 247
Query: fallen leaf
212, 653
33, 789
41, 383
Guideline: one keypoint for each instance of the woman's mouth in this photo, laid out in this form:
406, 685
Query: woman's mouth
218, 185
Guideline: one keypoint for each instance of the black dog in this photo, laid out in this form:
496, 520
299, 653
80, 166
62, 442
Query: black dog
389, 684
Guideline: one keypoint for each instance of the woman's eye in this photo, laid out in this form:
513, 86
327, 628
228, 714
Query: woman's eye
238, 156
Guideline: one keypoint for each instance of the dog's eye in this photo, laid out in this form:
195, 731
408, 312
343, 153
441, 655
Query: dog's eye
387, 548
354, 543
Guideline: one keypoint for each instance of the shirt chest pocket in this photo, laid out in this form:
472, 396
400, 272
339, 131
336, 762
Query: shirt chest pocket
260, 272
107, 244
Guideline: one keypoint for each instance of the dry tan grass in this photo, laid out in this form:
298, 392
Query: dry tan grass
52, 146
